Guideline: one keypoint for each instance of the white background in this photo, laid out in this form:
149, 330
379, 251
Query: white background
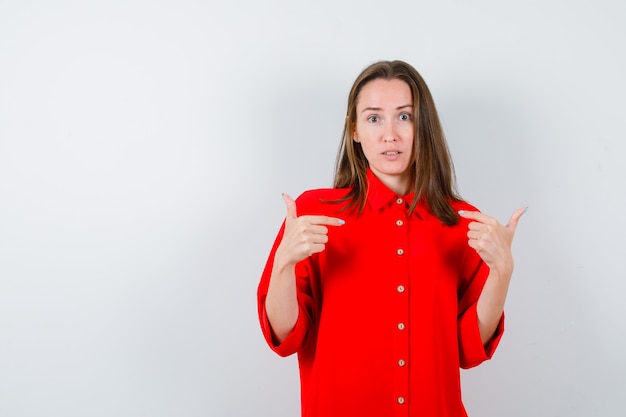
144, 147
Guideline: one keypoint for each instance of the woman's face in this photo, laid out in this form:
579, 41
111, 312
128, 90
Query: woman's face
384, 128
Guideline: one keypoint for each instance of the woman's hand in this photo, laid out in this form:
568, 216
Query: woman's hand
303, 236
492, 240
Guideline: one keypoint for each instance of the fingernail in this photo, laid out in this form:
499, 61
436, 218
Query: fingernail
461, 211
525, 210
341, 221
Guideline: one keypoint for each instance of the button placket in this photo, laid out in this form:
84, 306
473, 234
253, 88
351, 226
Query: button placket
399, 229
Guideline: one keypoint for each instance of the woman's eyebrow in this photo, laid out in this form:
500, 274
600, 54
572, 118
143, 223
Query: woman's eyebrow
379, 108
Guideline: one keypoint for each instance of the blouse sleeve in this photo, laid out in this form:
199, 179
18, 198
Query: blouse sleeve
472, 352
298, 335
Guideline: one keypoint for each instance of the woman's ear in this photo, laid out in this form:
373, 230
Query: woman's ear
355, 137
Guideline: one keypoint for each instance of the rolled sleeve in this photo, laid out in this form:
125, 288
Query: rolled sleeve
472, 352
292, 342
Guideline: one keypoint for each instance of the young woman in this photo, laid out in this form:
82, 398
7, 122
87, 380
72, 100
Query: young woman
388, 283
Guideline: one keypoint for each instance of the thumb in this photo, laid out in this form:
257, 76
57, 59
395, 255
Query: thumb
512, 224
292, 213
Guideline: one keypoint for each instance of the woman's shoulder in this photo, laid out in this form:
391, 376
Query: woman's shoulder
462, 205
321, 200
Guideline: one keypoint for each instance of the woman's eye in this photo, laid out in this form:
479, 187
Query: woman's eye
373, 119
405, 116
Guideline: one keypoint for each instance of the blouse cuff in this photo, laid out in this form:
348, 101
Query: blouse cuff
292, 342
471, 349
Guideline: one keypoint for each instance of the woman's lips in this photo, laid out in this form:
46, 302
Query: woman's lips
391, 155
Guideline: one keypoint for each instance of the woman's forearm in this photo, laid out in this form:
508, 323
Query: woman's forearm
491, 303
281, 302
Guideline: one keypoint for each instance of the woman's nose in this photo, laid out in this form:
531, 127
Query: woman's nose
389, 133
389, 137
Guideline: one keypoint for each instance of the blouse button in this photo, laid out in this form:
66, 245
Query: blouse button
400, 252
401, 326
401, 362
399, 201
400, 288
399, 222
400, 400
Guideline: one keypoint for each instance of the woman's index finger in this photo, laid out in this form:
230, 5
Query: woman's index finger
324, 220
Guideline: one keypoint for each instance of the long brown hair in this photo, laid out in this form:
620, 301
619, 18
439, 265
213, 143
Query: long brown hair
431, 169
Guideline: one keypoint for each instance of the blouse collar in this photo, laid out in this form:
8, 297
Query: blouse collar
379, 195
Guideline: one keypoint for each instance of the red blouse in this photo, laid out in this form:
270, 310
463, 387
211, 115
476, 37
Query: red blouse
387, 310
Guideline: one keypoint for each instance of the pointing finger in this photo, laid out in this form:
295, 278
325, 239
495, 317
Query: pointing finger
292, 212
475, 215
325, 220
